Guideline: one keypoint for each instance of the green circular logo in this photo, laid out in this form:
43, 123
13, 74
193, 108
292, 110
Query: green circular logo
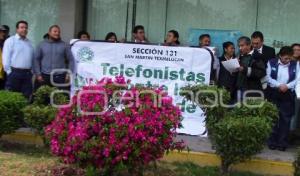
85, 54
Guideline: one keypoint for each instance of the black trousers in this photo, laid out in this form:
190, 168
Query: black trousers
20, 80
2, 82
285, 103
57, 79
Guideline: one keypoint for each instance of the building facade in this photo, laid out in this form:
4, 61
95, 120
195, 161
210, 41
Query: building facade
277, 19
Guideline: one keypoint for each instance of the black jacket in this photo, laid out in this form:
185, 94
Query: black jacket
258, 71
267, 54
226, 79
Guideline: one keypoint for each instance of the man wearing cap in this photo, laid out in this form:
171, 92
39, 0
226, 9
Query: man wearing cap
18, 54
7, 30
2, 73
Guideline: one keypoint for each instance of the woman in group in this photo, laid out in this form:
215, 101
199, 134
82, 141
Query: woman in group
111, 37
51, 56
226, 79
172, 38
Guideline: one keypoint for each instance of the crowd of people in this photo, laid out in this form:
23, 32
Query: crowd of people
261, 70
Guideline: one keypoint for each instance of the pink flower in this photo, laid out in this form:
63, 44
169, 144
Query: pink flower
54, 146
106, 152
138, 134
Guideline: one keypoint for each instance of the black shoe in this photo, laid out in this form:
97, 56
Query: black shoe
272, 147
282, 149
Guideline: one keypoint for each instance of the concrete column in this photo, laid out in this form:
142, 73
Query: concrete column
70, 18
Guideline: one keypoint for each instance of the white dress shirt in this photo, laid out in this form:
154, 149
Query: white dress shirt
282, 76
297, 87
260, 50
18, 53
249, 70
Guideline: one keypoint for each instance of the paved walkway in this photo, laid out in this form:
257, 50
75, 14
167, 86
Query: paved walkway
201, 144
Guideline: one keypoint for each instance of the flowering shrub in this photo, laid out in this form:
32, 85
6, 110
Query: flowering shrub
127, 127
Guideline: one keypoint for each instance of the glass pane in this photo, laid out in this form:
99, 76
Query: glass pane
183, 15
279, 21
152, 15
40, 14
108, 16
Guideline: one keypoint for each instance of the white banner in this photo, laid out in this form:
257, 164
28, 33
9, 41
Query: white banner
150, 65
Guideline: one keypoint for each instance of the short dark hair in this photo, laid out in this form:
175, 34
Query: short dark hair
137, 28
286, 50
227, 44
82, 33
21, 22
109, 35
6, 27
246, 39
258, 34
204, 36
176, 35
295, 44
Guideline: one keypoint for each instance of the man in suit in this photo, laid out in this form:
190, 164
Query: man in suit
252, 69
257, 40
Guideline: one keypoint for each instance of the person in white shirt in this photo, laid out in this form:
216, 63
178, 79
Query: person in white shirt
282, 74
18, 54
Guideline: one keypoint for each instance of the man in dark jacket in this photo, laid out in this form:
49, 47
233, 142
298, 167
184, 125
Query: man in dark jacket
257, 40
252, 68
